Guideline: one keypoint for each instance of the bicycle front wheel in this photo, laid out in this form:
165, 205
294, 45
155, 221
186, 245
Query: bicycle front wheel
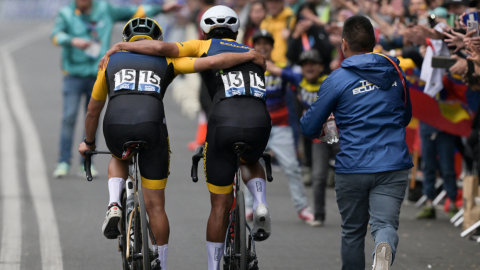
144, 232
240, 237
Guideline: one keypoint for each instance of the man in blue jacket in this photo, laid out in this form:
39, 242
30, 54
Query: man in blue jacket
370, 100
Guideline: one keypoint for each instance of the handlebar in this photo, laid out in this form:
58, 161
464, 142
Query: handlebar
195, 159
88, 162
199, 154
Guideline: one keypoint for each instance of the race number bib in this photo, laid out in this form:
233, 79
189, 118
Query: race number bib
149, 81
308, 97
125, 80
257, 86
234, 84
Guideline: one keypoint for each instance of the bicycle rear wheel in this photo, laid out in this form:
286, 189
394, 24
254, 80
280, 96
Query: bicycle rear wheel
240, 237
123, 240
142, 232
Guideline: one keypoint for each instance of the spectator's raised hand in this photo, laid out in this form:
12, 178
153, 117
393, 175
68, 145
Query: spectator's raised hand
455, 39
474, 53
460, 21
460, 67
469, 39
301, 27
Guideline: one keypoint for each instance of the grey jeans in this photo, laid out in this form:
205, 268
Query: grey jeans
373, 199
321, 154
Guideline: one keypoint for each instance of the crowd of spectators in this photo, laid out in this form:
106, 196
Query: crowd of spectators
414, 31
301, 41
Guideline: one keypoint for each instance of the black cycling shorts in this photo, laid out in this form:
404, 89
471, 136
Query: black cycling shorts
140, 118
235, 119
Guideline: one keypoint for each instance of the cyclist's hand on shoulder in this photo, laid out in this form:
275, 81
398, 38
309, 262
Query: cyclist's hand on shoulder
83, 147
80, 43
103, 62
258, 59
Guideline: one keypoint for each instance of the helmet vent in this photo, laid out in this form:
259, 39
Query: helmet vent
149, 23
220, 20
209, 21
232, 21
134, 23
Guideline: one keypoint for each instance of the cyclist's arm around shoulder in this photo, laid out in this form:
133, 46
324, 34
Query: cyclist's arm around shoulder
148, 47
228, 60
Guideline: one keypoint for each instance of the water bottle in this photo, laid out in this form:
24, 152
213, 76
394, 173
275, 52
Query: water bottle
331, 132
130, 196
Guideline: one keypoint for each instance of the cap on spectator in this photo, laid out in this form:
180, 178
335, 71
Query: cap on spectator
311, 55
262, 34
449, 2
439, 12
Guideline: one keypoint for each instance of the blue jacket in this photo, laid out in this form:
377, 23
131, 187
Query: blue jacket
371, 110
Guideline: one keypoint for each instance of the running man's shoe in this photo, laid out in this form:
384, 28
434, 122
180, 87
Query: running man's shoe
111, 225
383, 257
428, 212
94, 171
249, 213
306, 215
61, 170
261, 223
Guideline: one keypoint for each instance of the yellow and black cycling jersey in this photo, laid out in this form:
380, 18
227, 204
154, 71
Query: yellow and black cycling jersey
242, 80
131, 73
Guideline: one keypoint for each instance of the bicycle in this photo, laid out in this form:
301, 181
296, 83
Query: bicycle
237, 255
136, 237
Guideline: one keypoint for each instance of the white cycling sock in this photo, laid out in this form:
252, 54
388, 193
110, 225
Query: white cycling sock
256, 186
215, 253
162, 256
115, 187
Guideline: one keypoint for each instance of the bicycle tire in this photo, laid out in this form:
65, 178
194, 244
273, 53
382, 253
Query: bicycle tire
137, 236
124, 221
240, 237
144, 232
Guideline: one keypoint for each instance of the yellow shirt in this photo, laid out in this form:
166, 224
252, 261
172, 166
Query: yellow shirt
275, 26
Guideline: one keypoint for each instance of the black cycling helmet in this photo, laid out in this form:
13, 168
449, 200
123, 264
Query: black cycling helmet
142, 28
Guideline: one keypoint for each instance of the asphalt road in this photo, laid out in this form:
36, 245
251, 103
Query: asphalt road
69, 237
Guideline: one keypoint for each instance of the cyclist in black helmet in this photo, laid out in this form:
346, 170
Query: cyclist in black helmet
135, 85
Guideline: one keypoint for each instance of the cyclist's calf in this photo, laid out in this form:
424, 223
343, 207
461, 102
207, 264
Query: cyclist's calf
251, 171
155, 206
219, 216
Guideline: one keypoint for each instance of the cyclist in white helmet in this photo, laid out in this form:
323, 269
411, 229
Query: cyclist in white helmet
239, 114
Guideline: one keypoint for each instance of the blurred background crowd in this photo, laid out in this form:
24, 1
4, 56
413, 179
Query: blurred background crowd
301, 40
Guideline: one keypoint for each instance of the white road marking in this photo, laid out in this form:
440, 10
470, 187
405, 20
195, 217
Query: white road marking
37, 179
11, 244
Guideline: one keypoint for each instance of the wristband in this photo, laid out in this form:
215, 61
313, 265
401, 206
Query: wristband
88, 143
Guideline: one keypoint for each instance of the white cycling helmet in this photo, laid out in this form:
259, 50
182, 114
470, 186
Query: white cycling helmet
219, 16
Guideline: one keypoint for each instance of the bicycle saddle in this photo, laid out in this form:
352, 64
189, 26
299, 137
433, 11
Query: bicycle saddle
240, 147
135, 145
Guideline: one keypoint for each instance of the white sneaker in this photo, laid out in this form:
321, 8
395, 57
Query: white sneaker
261, 223
306, 215
112, 226
383, 257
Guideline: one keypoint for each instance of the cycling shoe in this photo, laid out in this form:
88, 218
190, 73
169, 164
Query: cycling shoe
261, 223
